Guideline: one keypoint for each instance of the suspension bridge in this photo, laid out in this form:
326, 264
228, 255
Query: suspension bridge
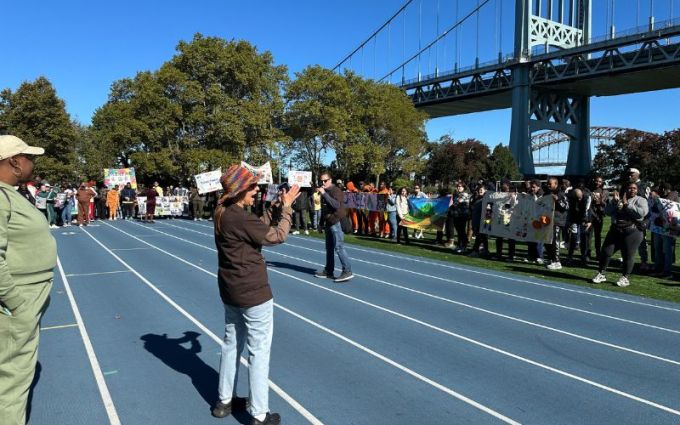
544, 59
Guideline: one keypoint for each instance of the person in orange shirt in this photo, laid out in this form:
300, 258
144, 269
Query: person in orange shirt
353, 216
383, 223
373, 216
112, 202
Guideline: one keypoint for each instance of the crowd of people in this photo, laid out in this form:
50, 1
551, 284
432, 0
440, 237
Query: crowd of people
245, 220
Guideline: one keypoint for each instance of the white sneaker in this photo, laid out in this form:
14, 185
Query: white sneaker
539, 261
555, 265
599, 278
622, 282
53, 226
295, 232
307, 232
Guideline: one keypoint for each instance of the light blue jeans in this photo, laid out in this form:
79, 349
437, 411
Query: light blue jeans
335, 242
392, 217
251, 327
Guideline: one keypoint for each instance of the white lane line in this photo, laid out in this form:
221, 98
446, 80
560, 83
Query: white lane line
94, 363
278, 390
494, 313
383, 358
495, 291
49, 328
97, 273
409, 257
128, 249
441, 330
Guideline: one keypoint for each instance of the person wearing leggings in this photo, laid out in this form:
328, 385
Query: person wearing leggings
625, 233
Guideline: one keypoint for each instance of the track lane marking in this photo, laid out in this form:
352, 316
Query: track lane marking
435, 328
92, 357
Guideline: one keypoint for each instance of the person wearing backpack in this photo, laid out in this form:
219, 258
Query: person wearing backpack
28, 255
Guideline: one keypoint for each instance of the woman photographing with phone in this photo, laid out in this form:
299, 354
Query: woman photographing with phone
245, 291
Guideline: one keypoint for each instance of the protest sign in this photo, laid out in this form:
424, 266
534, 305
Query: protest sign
263, 172
300, 178
518, 216
208, 182
665, 217
119, 177
426, 213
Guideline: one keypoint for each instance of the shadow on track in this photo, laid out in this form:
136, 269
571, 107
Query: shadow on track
175, 355
294, 267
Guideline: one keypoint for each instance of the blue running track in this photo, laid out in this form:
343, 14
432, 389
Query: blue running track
133, 331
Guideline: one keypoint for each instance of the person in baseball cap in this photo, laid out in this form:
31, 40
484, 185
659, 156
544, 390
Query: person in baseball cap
27, 259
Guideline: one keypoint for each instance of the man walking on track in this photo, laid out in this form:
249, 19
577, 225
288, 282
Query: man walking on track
333, 210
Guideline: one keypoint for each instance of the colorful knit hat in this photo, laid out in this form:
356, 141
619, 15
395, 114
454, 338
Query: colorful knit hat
236, 180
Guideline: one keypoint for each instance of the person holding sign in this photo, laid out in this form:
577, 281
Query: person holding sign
245, 291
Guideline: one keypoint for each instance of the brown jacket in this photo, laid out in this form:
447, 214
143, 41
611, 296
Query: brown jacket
84, 195
242, 275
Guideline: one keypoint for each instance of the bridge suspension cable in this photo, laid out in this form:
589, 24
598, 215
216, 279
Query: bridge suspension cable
442, 35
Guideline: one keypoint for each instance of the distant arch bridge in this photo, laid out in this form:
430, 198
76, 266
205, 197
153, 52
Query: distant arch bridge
550, 148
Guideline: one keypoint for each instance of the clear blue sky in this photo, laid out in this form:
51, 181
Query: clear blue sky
83, 46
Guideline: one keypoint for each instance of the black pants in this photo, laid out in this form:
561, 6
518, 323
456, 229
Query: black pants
582, 237
481, 240
553, 249
596, 232
362, 222
532, 251
460, 224
450, 226
128, 210
499, 247
400, 230
627, 240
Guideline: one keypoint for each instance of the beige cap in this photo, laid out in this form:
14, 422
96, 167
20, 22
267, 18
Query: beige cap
12, 145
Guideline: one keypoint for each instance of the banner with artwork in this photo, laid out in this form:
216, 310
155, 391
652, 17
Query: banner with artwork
426, 213
300, 178
665, 217
263, 172
209, 181
165, 205
119, 177
518, 216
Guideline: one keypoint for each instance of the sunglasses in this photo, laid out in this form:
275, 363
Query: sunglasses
325, 180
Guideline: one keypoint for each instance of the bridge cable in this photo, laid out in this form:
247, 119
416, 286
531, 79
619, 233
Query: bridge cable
420, 32
402, 8
477, 41
444, 34
436, 59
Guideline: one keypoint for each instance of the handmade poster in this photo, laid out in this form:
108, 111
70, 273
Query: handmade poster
381, 202
119, 176
40, 203
300, 178
518, 216
426, 213
208, 182
371, 201
350, 200
272, 193
141, 205
665, 217
170, 205
360, 199
263, 172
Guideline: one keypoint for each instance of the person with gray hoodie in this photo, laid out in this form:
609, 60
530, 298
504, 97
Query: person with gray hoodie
626, 232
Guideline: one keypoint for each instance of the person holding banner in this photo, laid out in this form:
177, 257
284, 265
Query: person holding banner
128, 196
402, 210
245, 291
333, 210
625, 233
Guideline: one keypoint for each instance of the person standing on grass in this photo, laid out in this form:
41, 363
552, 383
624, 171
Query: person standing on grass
417, 194
333, 210
245, 291
128, 196
625, 233
391, 210
28, 254
402, 210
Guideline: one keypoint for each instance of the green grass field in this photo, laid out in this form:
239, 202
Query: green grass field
640, 284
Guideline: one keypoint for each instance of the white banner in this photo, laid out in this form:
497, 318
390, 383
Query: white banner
300, 178
208, 182
263, 172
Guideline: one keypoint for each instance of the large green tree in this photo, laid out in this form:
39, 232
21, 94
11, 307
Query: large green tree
451, 160
37, 115
502, 164
214, 103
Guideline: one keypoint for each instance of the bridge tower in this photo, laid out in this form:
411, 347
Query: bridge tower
535, 108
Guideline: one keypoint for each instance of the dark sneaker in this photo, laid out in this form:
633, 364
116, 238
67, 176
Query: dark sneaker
222, 410
344, 277
323, 274
271, 419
